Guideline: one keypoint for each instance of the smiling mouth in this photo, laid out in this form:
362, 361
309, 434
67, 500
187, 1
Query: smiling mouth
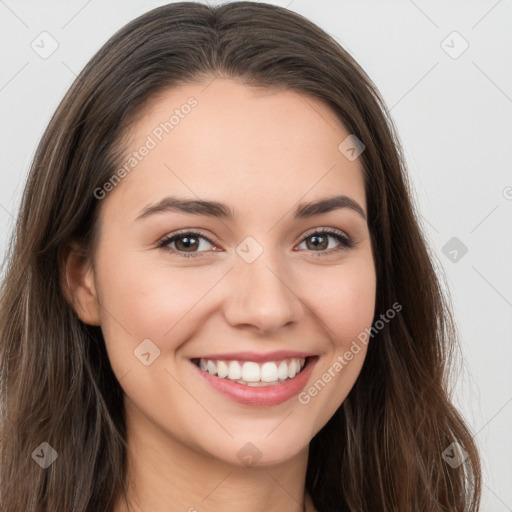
252, 373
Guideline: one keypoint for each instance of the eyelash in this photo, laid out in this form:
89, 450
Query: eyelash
346, 242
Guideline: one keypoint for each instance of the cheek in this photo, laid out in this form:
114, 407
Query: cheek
147, 300
343, 298
345, 304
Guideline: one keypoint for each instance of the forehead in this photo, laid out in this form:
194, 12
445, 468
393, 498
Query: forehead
236, 144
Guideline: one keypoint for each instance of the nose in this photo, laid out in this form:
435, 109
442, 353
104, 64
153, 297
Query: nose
262, 295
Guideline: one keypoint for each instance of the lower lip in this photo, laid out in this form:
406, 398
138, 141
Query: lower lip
261, 396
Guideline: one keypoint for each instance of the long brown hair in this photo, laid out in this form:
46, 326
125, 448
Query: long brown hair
383, 448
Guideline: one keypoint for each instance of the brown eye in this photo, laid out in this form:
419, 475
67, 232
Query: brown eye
186, 243
318, 241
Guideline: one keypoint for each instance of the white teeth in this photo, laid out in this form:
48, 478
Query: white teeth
222, 369
251, 373
211, 367
268, 372
282, 372
235, 370
292, 369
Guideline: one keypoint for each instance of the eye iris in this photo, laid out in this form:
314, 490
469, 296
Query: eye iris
187, 245
316, 237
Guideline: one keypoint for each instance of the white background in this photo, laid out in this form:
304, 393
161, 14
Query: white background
454, 117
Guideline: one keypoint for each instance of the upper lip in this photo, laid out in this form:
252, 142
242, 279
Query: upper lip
258, 356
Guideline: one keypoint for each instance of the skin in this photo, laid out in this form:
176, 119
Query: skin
261, 152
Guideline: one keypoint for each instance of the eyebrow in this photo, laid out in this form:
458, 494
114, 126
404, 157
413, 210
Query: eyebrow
222, 211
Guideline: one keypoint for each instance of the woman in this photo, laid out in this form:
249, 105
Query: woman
218, 296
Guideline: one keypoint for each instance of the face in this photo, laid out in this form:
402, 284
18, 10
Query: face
258, 287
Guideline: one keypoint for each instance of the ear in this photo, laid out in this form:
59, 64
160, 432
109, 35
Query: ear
77, 282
